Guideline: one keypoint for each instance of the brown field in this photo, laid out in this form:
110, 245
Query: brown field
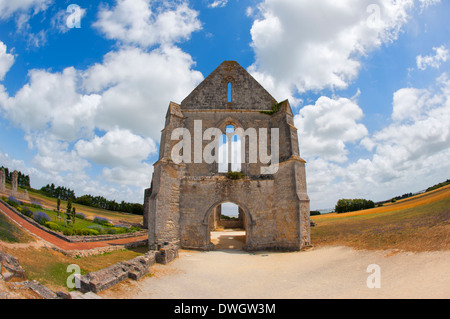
419, 223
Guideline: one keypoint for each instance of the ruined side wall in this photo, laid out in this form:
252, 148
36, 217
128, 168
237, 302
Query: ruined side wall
304, 211
163, 217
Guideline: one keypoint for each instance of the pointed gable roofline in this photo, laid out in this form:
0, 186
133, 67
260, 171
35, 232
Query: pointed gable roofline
213, 93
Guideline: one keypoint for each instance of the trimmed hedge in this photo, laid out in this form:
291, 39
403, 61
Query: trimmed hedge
52, 226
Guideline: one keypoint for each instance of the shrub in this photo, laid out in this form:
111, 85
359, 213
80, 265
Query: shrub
133, 228
85, 232
80, 215
41, 217
35, 205
120, 230
52, 226
13, 201
98, 228
91, 232
122, 225
235, 175
27, 212
102, 221
111, 231
68, 232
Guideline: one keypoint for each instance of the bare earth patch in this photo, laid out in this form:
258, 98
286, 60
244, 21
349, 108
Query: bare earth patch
327, 272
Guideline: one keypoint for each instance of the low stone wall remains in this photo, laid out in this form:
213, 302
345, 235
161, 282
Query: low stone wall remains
134, 269
10, 268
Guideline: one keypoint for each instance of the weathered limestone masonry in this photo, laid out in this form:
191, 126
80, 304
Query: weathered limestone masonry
14, 183
183, 198
2, 180
134, 269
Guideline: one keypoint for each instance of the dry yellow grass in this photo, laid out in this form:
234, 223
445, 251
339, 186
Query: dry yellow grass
420, 223
419, 200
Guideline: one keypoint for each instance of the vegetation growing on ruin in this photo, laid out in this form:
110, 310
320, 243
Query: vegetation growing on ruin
236, 175
275, 108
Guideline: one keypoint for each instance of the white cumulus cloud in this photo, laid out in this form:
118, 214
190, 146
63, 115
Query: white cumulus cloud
143, 23
9, 7
434, 61
6, 60
328, 126
305, 45
406, 152
116, 147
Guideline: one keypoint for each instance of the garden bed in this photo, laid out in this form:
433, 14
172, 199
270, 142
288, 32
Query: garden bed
82, 230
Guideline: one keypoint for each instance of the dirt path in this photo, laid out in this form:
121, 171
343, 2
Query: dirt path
59, 242
328, 272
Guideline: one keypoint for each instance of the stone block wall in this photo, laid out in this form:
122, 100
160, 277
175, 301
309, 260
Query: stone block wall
134, 269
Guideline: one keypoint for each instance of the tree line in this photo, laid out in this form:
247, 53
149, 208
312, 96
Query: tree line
92, 201
58, 192
351, 205
22, 179
438, 185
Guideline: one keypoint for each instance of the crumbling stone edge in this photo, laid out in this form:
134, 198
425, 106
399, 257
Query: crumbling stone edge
10, 270
92, 282
134, 269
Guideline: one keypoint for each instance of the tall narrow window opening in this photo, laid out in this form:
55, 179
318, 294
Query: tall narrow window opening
229, 92
229, 152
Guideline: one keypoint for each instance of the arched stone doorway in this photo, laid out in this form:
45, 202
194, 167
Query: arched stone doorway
226, 229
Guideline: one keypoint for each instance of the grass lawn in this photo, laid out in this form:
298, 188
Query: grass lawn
11, 234
91, 212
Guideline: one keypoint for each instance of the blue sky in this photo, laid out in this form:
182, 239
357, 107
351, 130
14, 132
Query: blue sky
367, 81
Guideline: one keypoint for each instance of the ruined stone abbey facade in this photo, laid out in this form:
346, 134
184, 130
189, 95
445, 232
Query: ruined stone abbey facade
182, 204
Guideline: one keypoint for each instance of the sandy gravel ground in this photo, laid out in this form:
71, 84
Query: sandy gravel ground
327, 272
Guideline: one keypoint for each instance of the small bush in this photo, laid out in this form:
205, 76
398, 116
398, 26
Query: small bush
86, 232
235, 175
68, 232
98, 228
91, 232
27, 212
35, 205
123, 226
80, 216
13, 201
120, 230
102, 221
111, 231
41, 217
52, 226
133, 228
